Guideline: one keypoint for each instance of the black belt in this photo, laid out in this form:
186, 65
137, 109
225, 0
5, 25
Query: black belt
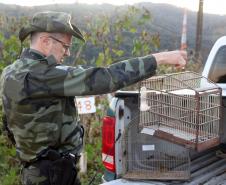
52, 155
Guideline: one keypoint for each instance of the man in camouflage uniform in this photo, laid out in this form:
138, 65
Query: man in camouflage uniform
38, 97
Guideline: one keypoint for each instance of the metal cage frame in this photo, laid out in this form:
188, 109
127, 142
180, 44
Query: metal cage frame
183, 108
150, 158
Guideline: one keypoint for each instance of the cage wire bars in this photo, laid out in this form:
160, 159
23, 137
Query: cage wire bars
183, 108
148, 157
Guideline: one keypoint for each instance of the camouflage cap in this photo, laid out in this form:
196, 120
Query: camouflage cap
50, 21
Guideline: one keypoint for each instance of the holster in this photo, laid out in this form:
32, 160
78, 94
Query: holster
59, 169
63, 170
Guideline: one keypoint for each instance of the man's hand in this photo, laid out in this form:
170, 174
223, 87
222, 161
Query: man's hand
177, 58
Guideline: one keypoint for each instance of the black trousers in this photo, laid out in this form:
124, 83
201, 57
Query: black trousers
62, 171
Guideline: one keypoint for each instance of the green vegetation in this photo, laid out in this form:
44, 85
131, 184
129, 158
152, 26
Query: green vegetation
166, 21
9, 165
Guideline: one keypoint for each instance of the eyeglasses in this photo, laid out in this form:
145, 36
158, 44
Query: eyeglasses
65, 46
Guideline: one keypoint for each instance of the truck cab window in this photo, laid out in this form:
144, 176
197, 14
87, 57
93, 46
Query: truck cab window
218, 70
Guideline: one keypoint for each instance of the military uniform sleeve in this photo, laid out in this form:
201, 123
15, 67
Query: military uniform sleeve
78, 81
1, 89
104, 80
2, 81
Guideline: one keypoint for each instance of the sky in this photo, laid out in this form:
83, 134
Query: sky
210, 6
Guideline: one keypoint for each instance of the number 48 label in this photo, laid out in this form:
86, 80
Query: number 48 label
85, 105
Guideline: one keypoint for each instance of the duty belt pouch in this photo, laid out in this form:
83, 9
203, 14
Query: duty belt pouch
63, 172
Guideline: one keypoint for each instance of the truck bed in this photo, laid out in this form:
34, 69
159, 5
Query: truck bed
207, 169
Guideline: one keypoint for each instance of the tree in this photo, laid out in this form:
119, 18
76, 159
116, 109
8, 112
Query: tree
107, 35
9, 44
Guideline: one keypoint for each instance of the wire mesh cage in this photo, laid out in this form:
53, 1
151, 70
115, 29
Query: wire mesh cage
183, 108
148, 157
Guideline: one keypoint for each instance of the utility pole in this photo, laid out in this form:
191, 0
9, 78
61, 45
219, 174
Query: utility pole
184, 32
199, 31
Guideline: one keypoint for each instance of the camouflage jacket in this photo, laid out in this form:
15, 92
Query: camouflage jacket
38, 98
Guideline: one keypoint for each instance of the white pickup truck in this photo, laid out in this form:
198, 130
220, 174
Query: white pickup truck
206, 168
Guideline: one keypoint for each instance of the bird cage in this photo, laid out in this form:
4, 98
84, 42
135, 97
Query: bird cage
183, 108
148, 157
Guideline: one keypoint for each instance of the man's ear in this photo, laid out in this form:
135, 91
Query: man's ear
45, 41
46, 44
